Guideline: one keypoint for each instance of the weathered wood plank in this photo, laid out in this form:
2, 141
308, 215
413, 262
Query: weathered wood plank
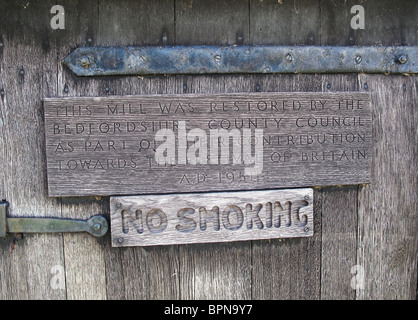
126, 267
286, 262
141, 144
84, 256
211, 217
387, 210
26, 76
339, 235
386, 23
285, 23
292, 266
387, 249
339, 242
289, 269
138, 273
215, 22
135, 23
374, 272
222, 270
339, 221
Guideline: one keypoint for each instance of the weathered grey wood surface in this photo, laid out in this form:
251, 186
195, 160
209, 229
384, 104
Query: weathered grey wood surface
211, 217
196, 142
369, 230
28, 46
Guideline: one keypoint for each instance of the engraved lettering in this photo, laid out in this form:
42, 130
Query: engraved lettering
188, 224
120, 109
211, 215
220, 139
166, 152
253, 217
156, 221
232, 217
300, 220
134, 221
279, 214
229, 141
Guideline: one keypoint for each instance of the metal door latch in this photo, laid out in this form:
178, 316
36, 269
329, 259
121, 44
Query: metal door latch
97, 226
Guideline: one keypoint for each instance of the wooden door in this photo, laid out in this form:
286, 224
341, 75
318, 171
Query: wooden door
365, 236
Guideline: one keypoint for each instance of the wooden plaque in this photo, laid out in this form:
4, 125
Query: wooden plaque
192, 143
211, 217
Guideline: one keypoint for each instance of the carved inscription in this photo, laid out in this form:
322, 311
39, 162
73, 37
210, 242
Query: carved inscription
211, 217
186, 143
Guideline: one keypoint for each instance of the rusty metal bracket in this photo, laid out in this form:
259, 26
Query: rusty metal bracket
97, 226
164, 60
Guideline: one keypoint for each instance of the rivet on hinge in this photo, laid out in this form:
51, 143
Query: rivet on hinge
401, 59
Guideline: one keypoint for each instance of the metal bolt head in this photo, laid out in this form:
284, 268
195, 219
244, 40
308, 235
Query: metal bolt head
85, 62
97, 226
401, 59
118, 205
358, 59
306, 229
289, 57
164, 39
120, 240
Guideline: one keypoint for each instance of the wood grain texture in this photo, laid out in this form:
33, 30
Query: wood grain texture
384, 223
211, 217
215, 22
387, 249
339, 220
382, 19
160, 143
84, 256
288, 23
339, 242
223, 270
378, 244
293, 265
152, 272
27, 76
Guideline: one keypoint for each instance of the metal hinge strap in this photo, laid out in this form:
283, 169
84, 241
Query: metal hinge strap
97, 226
153, 60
